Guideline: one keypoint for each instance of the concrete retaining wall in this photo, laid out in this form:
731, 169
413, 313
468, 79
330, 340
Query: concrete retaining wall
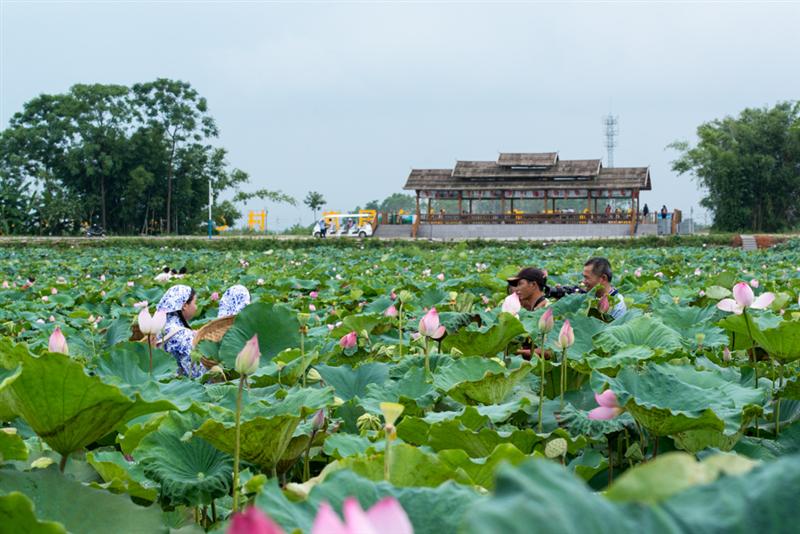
521, 231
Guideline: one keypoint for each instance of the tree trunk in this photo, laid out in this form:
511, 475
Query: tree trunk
169, 185
103, 201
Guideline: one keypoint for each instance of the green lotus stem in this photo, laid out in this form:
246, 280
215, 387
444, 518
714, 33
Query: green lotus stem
752, 352
778, 406
427, 356
387, 456
563, 375
63, 463
541, 384
400, 328
303, 353
150, 346
237, 445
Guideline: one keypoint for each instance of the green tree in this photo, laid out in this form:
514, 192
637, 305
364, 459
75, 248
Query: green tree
749, 166
314, 200
398, 201
181, 114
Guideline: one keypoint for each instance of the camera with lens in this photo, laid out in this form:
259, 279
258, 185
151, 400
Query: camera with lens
559, 292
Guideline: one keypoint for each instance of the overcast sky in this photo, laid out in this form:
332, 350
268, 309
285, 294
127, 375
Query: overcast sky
346, 98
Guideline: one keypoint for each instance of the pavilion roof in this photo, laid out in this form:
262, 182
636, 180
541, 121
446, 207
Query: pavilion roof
563, 174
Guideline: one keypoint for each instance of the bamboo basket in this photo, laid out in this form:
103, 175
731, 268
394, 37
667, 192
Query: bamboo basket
214, 330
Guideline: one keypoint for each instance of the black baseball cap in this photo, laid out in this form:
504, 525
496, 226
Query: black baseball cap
528, 273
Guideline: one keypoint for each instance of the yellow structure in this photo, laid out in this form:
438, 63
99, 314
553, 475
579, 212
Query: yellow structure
257, 218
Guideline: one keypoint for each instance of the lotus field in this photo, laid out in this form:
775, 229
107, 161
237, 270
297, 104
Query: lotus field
372, 388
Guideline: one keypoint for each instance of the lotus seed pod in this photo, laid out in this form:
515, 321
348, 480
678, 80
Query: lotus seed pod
556, 448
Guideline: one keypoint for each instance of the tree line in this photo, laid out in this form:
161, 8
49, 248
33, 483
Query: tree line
136, 160
749, 167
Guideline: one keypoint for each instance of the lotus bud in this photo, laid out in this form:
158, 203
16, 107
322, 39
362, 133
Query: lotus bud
6, 285
318, 421
546, 321
57, 342
511, 304
429, 325
743, 294
567, 336
247, 360
214, 296
603, 305
312, 308
313, 294
53, 291
440, 276
349, 341
393, 295
754, 283
726, 354
313, 375
391, 311
555, 448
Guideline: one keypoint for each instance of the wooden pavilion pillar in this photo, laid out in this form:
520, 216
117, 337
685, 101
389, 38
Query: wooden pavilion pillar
460, 210
417, 204
545, 201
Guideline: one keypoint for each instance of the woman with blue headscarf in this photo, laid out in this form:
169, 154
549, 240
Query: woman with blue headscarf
180, 305
233, 301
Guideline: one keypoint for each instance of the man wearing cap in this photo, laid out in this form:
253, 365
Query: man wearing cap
530, 286
597, 272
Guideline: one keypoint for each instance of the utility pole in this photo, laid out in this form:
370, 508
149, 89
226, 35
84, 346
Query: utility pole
612, 129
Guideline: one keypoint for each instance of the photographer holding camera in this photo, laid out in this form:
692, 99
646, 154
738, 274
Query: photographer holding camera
530, 285
597, 272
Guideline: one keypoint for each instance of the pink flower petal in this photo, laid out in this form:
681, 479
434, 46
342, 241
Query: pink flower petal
327, 522
607, 399
743, 294
253, 521
729, 305
763, 301
439, 332
357, 520
603, 414
389, 516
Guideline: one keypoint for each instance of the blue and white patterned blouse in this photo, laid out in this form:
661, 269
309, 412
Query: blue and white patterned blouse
179, 344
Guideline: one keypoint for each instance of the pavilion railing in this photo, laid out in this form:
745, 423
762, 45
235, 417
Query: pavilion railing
525, 218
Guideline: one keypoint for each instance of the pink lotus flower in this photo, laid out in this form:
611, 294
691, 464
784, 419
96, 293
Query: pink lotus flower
385, 517
248, 358
393, 295
546, 321
603, 305
566, 337
638, 272
311, 307
743, 297
484, 299
102, 278
348, 341
331, 327
214, 296
130, 283
52, 319
702, 293
698, 272
152, 325
609, 407
511, 304
440, 276
313, 294
45, 299
53, 291
103, 293
429, 325
253, 521
5, 284
57, 342
260, 282
754, 283
391, 311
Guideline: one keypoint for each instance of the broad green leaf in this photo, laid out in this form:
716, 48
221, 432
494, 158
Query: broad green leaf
67, 408
276, 325
121, 476
642, 331
349, 383
474, 380
189, 471
485, 342
781, 343
17, 515
12, 447
81, 508
482, 470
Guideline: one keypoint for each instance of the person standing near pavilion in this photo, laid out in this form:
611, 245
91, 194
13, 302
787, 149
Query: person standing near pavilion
645, 212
